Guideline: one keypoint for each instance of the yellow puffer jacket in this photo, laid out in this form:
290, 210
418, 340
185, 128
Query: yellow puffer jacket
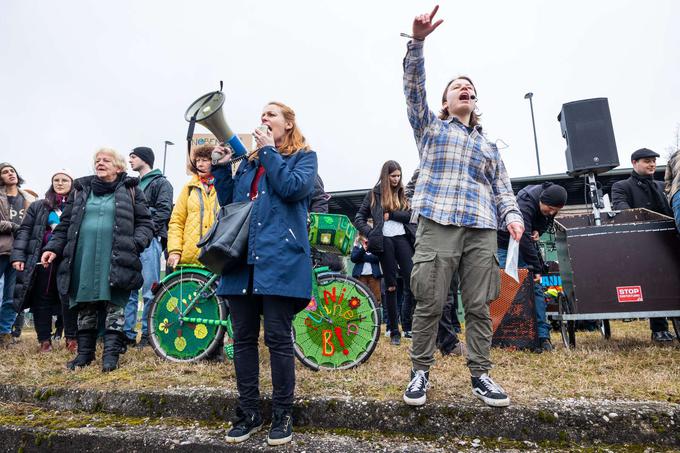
185, 230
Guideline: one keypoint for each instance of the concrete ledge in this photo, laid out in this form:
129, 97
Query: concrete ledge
568, 421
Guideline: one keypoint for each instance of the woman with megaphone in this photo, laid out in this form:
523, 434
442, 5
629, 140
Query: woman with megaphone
275, 280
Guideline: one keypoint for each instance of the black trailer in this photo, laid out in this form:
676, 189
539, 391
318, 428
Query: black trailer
627, 267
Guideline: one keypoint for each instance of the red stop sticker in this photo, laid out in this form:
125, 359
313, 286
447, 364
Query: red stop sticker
629, 294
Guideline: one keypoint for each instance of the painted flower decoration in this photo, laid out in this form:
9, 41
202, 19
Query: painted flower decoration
172, 304
312, 304
164, 326
180, 343
354, 303
200, 331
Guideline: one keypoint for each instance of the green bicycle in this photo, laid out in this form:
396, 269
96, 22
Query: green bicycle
339, 329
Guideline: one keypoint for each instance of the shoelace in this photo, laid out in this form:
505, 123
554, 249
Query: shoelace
490, 384
284, 420
417, 382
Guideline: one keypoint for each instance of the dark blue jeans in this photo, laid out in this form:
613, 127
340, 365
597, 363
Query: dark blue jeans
542, 325
7, 312
278, 313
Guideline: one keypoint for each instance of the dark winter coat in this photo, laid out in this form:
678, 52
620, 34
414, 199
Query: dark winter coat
132, 233
374, 235
528, 200
28, 249
278, 248
158, 194
359, 257
640, 192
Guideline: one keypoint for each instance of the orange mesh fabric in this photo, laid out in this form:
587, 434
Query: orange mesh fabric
513, 315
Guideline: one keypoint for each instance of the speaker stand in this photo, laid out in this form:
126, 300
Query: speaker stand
595, 197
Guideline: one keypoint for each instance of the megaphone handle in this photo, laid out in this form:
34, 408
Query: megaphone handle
237, 146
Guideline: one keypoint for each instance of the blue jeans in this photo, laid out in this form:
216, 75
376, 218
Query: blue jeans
675, 204
151, 272
7, 312
542, 325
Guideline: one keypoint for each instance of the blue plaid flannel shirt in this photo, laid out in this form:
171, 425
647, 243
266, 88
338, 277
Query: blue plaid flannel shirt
462, 180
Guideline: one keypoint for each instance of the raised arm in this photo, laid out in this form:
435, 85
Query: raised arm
419, 114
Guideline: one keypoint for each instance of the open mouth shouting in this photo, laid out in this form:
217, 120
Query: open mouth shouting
466, 97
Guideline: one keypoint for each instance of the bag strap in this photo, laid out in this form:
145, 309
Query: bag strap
200, 202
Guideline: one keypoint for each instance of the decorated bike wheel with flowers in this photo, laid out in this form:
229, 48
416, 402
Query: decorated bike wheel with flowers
340, 327
186, 318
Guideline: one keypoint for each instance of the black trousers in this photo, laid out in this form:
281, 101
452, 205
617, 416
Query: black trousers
277, 313
45, 302
658, 324
397, 256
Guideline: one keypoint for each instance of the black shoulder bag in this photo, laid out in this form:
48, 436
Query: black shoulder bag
225, 245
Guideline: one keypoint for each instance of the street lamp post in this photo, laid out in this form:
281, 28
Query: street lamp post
165, 152
533, 124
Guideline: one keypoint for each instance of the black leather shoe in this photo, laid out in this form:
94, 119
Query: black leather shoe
663, 337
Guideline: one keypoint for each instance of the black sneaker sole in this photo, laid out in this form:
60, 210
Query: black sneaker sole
243, 438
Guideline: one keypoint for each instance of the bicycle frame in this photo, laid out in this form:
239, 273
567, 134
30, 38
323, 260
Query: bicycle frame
204, 292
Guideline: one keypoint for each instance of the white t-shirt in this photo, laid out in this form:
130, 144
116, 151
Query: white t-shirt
393, 228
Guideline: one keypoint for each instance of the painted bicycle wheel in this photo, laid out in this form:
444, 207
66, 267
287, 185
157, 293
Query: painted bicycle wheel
185, 317
339, 329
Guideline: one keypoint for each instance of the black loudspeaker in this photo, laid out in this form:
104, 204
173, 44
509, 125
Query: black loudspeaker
587, 127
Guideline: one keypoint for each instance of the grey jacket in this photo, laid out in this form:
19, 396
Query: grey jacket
7, 227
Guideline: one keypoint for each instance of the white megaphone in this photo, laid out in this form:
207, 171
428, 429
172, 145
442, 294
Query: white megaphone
207, 111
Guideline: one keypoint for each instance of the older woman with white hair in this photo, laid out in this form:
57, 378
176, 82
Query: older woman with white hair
104, 227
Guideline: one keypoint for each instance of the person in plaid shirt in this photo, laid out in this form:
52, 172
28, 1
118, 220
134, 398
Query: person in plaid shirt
463, 195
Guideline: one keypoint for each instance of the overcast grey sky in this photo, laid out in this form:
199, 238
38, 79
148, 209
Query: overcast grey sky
78, 75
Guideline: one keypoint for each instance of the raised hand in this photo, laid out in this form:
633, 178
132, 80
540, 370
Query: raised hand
423, 25
224, 151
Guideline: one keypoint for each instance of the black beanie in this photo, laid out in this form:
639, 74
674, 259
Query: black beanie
144, 153
554, 195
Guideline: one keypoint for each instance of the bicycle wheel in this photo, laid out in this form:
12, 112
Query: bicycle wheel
340, 331
183, 341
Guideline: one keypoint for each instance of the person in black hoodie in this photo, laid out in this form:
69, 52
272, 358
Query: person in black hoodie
539, 205
158, 193
392, 238
640, 190
102, 231
36, 286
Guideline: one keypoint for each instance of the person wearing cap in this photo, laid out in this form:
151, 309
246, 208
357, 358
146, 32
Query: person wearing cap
36, 286
158, 192
640, 190
539, 205
13, 204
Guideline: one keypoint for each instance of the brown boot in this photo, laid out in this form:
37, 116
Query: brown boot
46, 346
72, 345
